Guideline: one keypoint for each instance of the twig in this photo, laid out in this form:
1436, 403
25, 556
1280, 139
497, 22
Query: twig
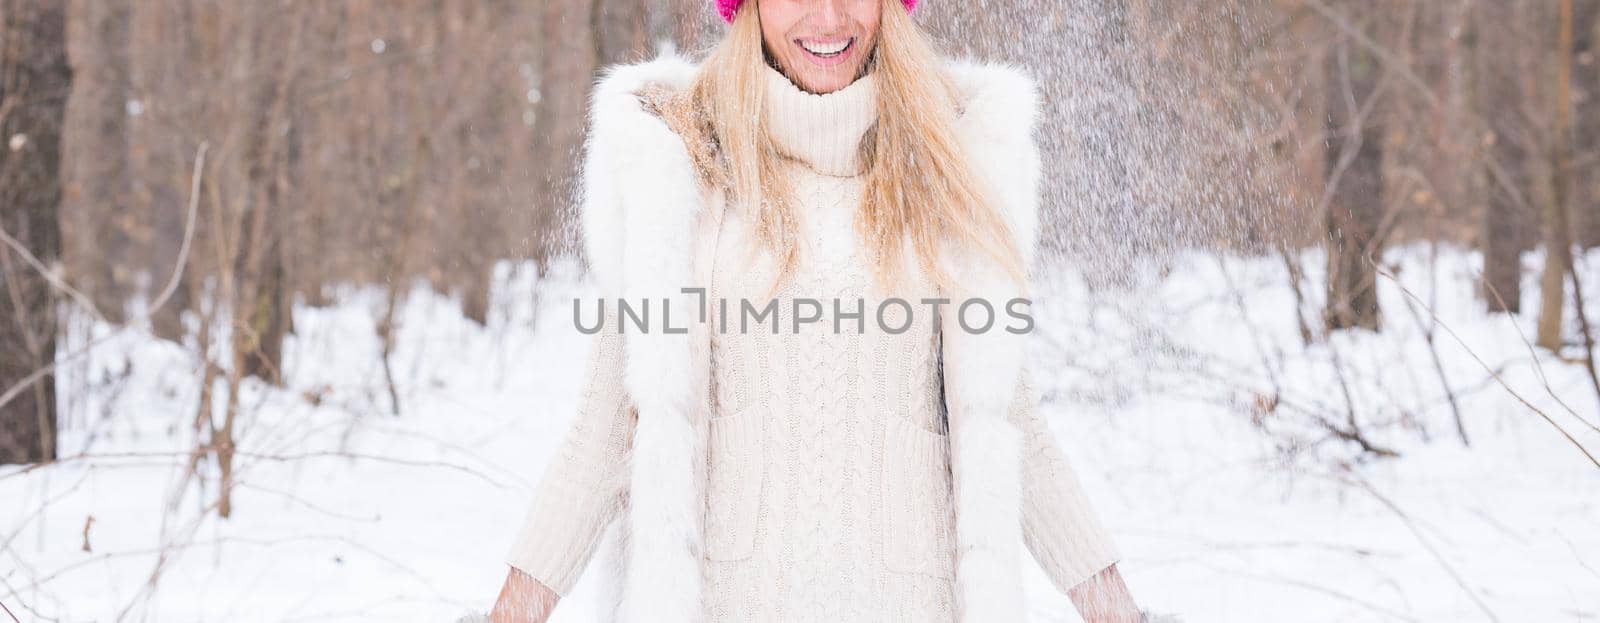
271, 457
1533, 355
1381, 52
164, 554
1437, 556
1296, 276
371, 457
49, 275
416, 575
188, 228
1244, 314
302, 501
1314, 588
45, 370
1583, 323
1411, 295
1438, 367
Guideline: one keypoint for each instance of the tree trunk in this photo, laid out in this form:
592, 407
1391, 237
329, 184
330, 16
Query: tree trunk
566, 66
622, 30
35, 80
1557, 229
263, 297
162, 175
578, 38
1354, 168
1586, 114
1499, 85
97, 221
685, 21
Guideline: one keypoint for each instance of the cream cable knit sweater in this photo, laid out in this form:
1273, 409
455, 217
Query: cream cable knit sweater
828, 478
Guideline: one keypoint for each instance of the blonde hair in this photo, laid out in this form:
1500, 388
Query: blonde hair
919, 184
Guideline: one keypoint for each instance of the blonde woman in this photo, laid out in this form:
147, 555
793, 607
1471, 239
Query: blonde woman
794, 407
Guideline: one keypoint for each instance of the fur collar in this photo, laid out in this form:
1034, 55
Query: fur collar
649, 231
999, 110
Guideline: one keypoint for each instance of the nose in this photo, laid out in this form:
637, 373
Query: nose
831, 15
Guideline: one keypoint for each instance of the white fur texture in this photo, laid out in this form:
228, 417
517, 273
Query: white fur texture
623, 134
647, 230
997, 126
640, 208
982, 369
988, 491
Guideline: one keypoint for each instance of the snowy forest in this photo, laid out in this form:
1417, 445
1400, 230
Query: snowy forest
285, 284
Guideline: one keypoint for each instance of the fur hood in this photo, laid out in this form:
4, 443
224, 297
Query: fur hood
649, 232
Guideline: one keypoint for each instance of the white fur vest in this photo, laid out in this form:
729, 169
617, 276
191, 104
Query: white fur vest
649, 231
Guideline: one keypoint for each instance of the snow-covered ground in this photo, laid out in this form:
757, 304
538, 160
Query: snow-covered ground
1189, 404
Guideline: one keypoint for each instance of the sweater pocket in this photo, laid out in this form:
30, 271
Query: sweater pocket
733, 488
917, 501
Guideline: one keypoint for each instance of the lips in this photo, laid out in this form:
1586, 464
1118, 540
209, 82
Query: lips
826, 48
827, 52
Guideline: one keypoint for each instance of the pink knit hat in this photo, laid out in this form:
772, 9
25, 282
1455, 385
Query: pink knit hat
726, 8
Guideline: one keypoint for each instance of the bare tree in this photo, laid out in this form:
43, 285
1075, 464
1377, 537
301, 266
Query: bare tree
97, 150
1355, 171
1557, 222
35, 80
1497, 36
260, 266
1586, 114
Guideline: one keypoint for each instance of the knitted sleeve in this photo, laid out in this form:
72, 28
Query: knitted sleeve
1058, 524
585, 486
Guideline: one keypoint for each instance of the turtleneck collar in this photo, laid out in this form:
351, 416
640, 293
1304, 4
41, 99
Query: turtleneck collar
822, 131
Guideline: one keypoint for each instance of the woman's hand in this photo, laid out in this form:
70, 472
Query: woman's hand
523, 600
1104, 598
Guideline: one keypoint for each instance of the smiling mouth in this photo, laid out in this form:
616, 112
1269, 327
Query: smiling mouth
822, 49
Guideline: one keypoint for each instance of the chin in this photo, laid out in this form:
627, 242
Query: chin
826, 86
828, 82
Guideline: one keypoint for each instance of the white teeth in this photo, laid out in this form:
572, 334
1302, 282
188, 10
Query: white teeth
825, 49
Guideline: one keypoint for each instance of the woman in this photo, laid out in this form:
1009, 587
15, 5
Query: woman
880, 465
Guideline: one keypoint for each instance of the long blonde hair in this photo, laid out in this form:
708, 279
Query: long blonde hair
919, 184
